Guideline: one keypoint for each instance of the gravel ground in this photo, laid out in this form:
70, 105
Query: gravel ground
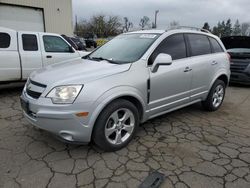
193, 148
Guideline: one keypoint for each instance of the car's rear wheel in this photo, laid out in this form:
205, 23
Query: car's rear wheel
215, 97
116, 125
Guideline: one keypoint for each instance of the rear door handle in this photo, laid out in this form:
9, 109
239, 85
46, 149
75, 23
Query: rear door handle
48, 56
214, 63
187, 69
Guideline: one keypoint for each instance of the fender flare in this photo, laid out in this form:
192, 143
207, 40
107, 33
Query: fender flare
115, 93
218, 74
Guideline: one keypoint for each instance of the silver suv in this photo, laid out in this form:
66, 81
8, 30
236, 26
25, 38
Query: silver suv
134, 77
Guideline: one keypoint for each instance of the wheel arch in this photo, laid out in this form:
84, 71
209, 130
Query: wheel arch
222, 75
127, 93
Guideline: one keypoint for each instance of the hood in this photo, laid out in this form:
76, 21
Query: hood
236, 42
78, 71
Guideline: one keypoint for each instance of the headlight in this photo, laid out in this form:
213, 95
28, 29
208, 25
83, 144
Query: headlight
64, 94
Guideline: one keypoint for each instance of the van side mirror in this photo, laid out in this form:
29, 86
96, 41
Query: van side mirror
161, 59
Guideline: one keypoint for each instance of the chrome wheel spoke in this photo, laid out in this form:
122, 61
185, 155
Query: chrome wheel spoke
118, 137
128, 128
109, 131
126, 116
115, 117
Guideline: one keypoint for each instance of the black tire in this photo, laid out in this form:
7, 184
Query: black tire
208, 103
99, 137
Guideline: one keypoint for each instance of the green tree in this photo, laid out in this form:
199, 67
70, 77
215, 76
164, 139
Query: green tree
228, 28
245, 28
174, 24
237, 28
218, 30
206, 26
127, 24
99, 25
144, 22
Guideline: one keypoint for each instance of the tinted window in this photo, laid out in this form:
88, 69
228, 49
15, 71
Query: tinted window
55, 44
173, 45
29, 42
199, 44
4, 40
215, 45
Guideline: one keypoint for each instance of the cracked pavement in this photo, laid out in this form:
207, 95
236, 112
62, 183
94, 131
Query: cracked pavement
193, 148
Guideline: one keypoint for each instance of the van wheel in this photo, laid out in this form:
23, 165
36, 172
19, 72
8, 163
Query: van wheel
116, 125
215, 97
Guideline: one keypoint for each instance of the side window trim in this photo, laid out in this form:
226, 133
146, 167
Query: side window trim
190, 49
186, 46
9, 40
30, 50
55, 51
212, 47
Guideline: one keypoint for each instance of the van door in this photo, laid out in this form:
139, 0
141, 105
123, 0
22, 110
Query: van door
10, 69
55, 49
30, 52
170, 85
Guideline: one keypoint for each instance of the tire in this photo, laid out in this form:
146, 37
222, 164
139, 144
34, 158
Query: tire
217, 93
113, 129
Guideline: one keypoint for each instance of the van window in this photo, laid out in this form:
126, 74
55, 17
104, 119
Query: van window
29, 42
55, 44
199, 44
173, 45
215, 45
4, 40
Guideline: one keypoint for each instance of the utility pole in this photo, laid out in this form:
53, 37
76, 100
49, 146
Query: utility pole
76, 25
156, 12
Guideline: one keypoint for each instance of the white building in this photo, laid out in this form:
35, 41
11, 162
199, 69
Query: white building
53, 16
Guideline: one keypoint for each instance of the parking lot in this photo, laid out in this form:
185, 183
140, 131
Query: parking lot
193, 148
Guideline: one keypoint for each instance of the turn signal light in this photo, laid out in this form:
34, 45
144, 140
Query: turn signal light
82, 114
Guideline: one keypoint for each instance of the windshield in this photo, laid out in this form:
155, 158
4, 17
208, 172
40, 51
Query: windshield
125, 48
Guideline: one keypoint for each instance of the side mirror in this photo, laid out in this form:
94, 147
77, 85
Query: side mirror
161, 59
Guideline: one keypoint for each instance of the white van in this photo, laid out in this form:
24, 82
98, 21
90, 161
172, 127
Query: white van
22, 52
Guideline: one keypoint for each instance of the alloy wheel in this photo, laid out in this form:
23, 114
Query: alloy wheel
119, 126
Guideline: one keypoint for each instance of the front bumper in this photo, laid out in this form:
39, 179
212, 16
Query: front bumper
60, 120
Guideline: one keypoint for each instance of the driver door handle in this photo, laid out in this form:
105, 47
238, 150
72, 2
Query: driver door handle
49, 56
214, 63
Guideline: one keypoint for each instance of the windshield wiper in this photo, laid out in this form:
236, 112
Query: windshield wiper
104, 59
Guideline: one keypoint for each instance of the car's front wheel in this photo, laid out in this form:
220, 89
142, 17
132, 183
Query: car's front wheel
215, 97
116, 125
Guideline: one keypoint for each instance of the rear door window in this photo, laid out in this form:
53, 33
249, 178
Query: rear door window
173, 45
4, 40
199, 44
216, 47
29, 42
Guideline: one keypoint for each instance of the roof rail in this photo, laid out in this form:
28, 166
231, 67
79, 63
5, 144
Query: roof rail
191, 28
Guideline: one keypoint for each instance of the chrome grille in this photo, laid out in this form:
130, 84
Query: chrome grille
34, 89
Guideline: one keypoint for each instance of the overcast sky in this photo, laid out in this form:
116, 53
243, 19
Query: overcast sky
186, 12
